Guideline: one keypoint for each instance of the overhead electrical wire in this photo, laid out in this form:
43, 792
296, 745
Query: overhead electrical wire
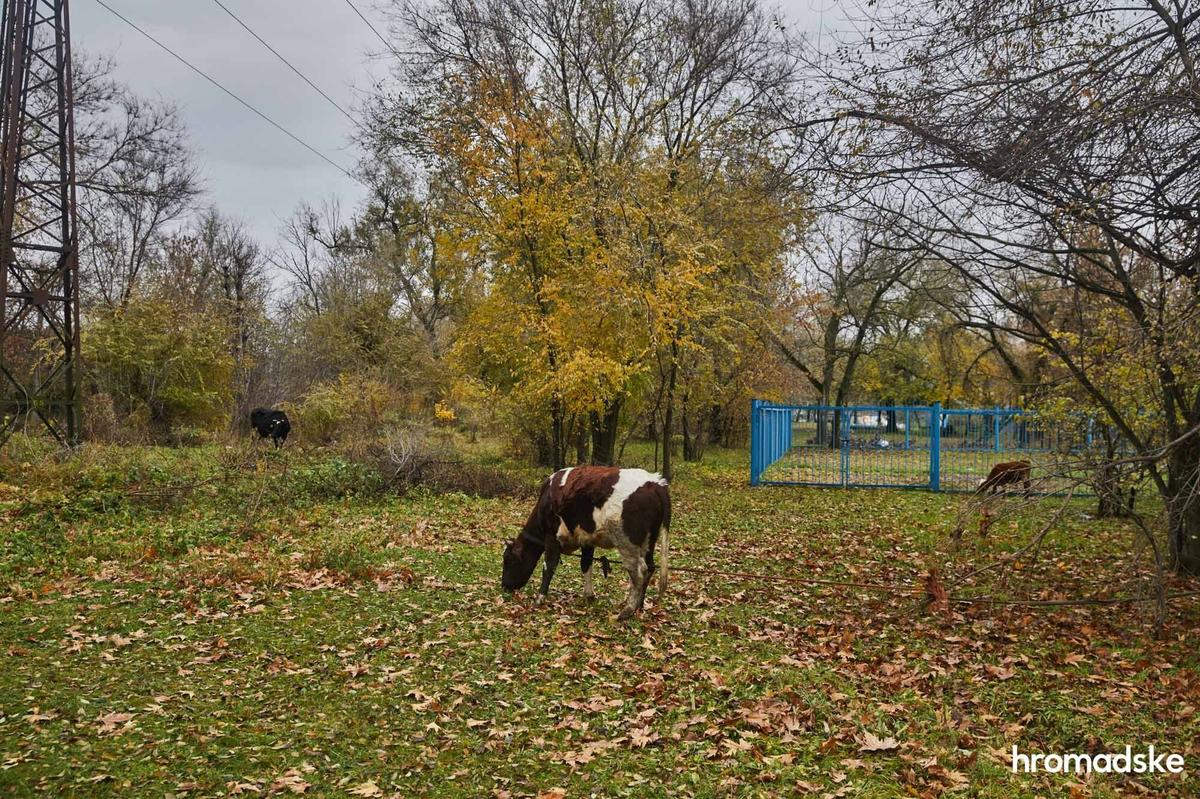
287, 63
229, 92
375, 30
367, 22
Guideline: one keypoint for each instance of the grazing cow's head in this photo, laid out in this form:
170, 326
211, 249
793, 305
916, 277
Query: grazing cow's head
522, 553
520, 558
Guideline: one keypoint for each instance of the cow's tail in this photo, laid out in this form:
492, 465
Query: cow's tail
664, 547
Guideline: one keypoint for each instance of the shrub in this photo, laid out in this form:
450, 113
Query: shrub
161, 365
100, 421
444, 413
413, 455
333, 478
477, 480
406, 454
350, 406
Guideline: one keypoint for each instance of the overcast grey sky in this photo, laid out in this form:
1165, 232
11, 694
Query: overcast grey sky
252, 171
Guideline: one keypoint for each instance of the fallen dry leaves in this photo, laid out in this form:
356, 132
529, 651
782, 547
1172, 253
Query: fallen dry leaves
869, 742
731, 687
114, 722
291, 781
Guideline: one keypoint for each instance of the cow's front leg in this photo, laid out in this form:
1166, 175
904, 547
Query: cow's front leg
585, 565
551, 564
635, 564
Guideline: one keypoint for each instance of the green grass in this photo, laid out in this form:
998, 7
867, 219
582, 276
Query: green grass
960, 469
211, 621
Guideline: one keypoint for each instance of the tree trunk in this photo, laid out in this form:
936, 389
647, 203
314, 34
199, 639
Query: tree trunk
693, 431
543, 450
827, 427
1183, 507
669, 414
843, 393
579, 433
604, 433
1112, 500
558, 453
693, 438
719, 429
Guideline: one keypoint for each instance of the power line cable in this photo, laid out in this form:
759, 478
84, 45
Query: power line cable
374, 30
229, 92
289, 64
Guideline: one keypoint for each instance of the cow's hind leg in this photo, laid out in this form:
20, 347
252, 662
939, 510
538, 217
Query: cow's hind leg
635, 564
585, 565
649, 572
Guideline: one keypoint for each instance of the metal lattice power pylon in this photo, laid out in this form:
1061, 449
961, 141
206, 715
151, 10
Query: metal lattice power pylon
39, 308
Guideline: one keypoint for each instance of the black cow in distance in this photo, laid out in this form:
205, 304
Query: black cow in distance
271, 424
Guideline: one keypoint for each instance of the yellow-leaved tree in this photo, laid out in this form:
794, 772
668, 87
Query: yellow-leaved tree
621, 192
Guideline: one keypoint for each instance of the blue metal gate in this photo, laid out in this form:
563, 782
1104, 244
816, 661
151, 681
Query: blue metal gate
892, 446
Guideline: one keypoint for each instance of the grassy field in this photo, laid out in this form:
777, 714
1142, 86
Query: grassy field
216, 621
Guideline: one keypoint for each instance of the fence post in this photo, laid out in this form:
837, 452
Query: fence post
996, 425
755, 443
844, 454
935, 447
907, 440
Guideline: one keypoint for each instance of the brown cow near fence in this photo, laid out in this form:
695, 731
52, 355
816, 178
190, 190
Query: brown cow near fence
585, 507
1006, 474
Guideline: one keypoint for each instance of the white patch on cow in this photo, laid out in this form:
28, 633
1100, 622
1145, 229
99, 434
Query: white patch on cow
574, 539
562, 475
608, 515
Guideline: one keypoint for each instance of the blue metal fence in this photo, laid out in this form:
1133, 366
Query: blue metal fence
893, 446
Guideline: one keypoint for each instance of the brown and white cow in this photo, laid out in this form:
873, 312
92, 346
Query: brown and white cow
1005, 474
585, 507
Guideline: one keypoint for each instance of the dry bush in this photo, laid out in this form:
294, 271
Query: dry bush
100, 421
415, 455
477, 480
410, 453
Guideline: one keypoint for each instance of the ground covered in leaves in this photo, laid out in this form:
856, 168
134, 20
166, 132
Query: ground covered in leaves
216, 621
